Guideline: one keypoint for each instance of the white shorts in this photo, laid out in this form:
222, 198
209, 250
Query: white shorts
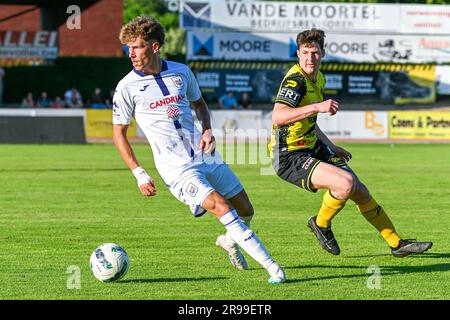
196, 184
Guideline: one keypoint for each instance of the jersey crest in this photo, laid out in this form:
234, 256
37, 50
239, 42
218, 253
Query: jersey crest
177, 81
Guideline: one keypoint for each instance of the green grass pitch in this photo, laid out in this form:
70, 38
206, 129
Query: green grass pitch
58, 202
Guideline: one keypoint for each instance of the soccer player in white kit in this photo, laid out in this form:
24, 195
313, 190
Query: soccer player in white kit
159, 94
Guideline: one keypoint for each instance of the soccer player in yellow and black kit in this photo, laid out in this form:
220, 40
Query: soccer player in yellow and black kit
303, 155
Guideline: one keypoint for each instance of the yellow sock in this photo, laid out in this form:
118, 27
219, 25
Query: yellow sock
330, 207
377, 217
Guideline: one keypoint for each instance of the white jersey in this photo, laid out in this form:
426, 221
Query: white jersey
160, 105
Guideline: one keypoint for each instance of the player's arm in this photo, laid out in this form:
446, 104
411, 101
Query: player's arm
341, 152
208, 142
145, 182
291, 93
284, 114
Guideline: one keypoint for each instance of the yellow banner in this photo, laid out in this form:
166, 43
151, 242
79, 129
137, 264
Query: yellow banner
427, 125
99, 124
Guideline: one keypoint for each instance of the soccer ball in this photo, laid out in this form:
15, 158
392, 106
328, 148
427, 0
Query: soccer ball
109, 262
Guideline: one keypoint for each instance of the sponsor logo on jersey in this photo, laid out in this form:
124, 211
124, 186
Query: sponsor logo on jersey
116, 111
173, 112
115, 107
145, 87
289, 95
291, 84
165, 101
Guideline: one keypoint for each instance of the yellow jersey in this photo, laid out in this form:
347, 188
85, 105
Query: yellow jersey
297, 90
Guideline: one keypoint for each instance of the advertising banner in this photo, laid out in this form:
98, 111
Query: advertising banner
396, 84
208, 45
28, 44
416, 125
287, 16
260, 80
271, 16
99, 124
240, 46
345, 125
387, 48
371, 125
425, 19
443, 80
356, 125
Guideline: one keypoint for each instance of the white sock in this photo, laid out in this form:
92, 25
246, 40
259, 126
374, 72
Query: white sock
244, 220
246, 239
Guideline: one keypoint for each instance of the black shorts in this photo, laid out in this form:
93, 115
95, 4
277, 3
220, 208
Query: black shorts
297, 167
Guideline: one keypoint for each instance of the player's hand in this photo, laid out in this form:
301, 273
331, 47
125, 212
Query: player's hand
145, 182
342, 153
328, 106
148, 189
208, 142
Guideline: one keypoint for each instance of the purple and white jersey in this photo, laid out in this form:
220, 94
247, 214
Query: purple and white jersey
160, 105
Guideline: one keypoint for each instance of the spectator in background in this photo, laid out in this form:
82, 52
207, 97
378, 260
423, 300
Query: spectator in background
111, 96
2, 74
97, 101
108, 103
28, 101
44, 101
58, 103
244, 101
72, 98
228, 101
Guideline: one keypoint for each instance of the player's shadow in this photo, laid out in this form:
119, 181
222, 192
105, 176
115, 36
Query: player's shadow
171, 280
384, 271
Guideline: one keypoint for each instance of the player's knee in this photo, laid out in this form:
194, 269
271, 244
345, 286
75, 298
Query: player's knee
346, 186
216, 204
220, 206
246, 210
361, 193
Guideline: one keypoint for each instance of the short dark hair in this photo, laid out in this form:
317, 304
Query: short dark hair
146, 27
311, 36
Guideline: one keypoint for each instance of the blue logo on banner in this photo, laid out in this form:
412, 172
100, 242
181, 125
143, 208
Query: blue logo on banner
292, 48
203, 49
196, 15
